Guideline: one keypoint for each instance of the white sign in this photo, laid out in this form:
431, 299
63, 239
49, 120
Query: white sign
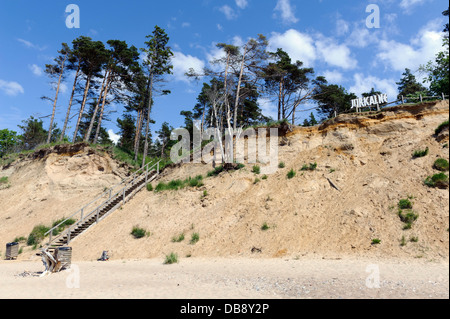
370, 100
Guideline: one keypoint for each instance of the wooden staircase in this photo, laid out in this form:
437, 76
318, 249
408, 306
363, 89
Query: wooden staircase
109, 201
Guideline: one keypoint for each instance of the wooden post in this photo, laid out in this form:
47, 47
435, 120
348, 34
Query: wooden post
443, 97
97, 214
421, 99
82, 210
157, 168
403, 101
68, 237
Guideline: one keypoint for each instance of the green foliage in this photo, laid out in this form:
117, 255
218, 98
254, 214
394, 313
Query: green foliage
438, 180
441, 127
441, 165
178, 184
265, 177
216, 171
311, 167
408, 217
150, 187
257, 180
194, 238
4, 180
171, 259
256, 169
8, 141
265, 227
291, 174
281, 165
376, 241
138, 232
405, 204
37, 235
64, 223
421, 153
178, 239
408, 84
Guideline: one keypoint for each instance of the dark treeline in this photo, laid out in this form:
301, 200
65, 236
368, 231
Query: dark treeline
114, 73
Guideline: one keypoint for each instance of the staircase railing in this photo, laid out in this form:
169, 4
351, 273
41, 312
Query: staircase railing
104, 199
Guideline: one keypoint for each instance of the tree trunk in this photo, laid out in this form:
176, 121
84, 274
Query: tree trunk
56, 99
100, 118
279, 100
86, 90
91, 125
137, 137
150, 98
66, 121
236, 103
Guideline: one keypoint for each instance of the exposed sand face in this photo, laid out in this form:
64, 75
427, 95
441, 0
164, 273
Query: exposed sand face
220, 278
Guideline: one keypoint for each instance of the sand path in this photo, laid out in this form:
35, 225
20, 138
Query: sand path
229, 279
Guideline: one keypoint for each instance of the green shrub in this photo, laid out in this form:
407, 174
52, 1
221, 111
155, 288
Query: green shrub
216, 171
405, 204
414, 239
150, 187
439, 180
291, 174
265, 227
441, 127
205, 193
178, 239
171, 259
311, 167
408, 217
240, 166
403, 241
421, 153
138, 232
64, 223
194, 238
441, 165
376, 241
281, 165
256, 169
4, 180
257, 180
37, 235
265, 177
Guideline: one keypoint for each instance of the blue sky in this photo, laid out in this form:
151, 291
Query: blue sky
330, 36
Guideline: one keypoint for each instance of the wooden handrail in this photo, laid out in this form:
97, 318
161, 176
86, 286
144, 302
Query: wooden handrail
127, 182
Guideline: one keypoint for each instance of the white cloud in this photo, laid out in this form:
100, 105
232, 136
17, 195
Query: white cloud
11, 88
182, 63
333, 76
308, 49
228, 12
298, 45
287, 11
335, 54
35, 69
30, 45
268, 108
364, 84
418, 51
185, 25
219, 27
408, 4
242, 3
114, 137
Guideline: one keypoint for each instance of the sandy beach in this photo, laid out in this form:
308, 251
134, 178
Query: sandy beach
217, 278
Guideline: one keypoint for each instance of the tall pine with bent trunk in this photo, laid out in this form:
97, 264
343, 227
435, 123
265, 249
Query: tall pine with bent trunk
158, 63
57, 70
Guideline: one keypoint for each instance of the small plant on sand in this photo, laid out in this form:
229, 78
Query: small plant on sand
441, 165
37, 235
438, 180
311, 167
265, 177
403, 241
4, 180
376, 241
441, 127
414, 239
194, 238
405, 204
257, 180
216, 171
265, 227
205, 194
408, 217
171, 259
421, 153
291, 174
281, 165
150, 187
138, 232
256, 169
178, 239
